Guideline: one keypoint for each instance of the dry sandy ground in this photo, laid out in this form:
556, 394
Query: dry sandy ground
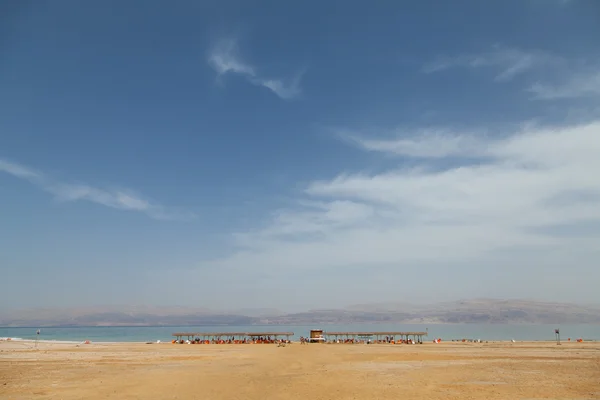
315, 371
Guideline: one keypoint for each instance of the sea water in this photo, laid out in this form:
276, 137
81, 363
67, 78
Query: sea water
489, 332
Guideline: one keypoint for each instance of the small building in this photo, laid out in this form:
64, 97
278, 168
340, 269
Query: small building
316, 336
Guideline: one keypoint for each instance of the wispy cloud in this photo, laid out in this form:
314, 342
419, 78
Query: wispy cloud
499, 210
562, 78
508, 62
553, 3
427, 143
579, 84
122, 199
224, 59
18, 170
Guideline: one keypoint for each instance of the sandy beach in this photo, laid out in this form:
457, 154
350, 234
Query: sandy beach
315, 371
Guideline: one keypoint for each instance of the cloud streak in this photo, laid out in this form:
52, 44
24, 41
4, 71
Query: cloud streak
427, 143
564, 79
122, 199
509, 62
224, 59
576, 86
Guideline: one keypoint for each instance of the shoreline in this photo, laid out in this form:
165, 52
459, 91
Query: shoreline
430, 342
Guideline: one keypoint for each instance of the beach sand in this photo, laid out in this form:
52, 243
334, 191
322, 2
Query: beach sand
315, 371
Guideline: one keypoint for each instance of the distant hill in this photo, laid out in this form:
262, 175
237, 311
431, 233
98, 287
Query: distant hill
121, 316
464, 311
490, 311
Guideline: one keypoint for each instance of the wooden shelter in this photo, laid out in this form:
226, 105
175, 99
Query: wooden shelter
375, 337
231, 337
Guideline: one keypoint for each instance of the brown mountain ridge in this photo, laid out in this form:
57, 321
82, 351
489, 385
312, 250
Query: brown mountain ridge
463, 311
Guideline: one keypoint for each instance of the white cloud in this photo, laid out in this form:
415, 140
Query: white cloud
223, 58
121, 199
496, 211
577, 85
509, 62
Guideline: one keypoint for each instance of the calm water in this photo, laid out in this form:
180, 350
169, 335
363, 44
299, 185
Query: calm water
446, 332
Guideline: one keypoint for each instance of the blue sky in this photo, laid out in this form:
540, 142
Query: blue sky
299, 155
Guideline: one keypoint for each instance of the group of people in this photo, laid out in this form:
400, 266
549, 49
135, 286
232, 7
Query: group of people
232, 340
388, 339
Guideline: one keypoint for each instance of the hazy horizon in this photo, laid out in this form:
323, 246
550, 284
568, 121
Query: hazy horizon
296, 156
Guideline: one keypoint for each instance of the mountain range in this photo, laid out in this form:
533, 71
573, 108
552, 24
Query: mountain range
463, 311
